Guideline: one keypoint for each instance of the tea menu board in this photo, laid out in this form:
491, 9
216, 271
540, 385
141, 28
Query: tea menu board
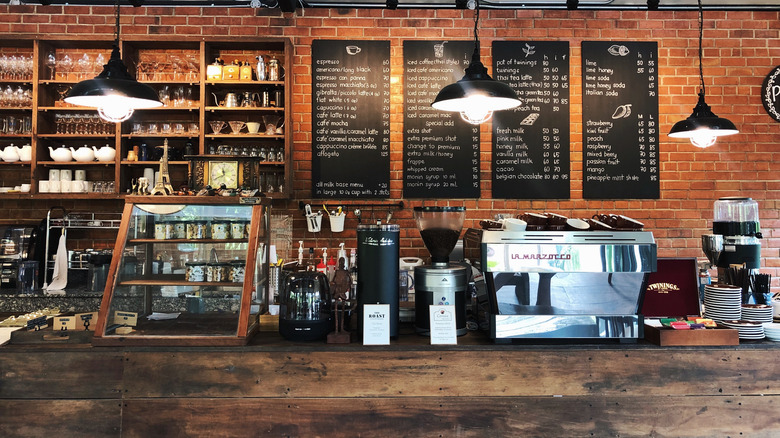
620, 120
351, 119
441, 151
531, 142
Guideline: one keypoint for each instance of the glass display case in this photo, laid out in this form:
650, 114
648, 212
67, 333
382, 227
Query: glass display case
186, 271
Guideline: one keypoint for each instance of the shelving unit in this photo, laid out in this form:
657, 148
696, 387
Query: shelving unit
184, 72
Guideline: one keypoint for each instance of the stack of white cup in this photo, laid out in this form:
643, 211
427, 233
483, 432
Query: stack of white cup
64, 181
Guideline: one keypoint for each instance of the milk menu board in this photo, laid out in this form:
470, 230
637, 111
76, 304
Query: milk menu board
351, 119
441, 151
620, 120
531, 142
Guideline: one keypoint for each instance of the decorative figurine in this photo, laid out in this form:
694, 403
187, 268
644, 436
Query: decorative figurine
163, 186
339, 288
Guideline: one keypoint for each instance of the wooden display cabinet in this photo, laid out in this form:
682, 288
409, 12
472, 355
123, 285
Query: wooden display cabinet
177, 270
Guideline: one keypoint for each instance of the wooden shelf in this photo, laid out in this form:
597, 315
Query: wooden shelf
76, 136
252, 136
160, 135
277, 83
153, 163
15, 135
15, 108
76, 163
15, 163
156, 282
200, 241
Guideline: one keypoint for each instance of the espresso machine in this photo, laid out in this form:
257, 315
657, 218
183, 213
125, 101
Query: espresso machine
563, 284
441, 282
736, 234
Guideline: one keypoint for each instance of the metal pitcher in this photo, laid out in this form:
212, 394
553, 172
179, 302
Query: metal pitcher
231, 100
250, 100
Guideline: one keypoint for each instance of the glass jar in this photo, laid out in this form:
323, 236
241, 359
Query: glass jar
238, 230
237, 268
217, 272
220, 230
159, 230
179, 229
195, 271
197, 230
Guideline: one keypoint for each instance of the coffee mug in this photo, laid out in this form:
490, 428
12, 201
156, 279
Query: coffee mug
253, 127
43, 186
24, 188
64, 186
512, 224
66, 175
54, 174
576, 225
77, 186
80, 174
54, 186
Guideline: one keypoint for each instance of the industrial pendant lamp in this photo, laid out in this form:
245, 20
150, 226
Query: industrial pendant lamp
114, 92
703, 127
476, 95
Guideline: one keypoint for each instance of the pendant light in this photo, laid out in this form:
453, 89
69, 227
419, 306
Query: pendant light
703, 127
114, 92
476, 95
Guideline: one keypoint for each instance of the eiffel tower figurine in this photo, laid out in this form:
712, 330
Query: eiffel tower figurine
163, 186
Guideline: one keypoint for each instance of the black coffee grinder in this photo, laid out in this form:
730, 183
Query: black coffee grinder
440, 282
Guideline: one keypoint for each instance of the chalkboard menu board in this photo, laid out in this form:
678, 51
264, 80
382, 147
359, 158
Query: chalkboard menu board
351, 119
441, 151
620, 120
531, 142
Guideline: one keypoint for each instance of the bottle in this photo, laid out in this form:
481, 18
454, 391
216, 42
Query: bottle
704, 279
300, 253
342, 254
331, 268
353, 272
321, 266
260, 68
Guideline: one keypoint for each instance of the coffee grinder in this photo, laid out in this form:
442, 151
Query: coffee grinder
441, 282
736, 234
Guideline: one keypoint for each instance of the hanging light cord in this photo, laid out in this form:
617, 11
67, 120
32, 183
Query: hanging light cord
701, 31
475, 55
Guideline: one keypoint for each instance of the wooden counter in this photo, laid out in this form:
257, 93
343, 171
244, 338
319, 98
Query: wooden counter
277, 388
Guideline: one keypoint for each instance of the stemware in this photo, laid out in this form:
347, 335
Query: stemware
62, 90
51, 63
66, 65
100, 61
84, 64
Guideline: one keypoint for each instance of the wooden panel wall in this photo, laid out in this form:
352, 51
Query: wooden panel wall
305, 390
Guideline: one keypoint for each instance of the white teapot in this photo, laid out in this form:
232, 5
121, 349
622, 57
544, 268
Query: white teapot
10, 153
61, 154
83, 153
106, 153
25, 153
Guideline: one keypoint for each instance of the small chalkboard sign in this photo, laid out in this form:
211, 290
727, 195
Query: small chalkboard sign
531, 142
441, 151
770, 93
620, 120
350, 119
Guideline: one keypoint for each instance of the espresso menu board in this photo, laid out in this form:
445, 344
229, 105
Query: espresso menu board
441, 151
620, 120
531, 142
351, 119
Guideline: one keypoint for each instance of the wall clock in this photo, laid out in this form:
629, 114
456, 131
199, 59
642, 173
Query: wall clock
223, 172
770, 93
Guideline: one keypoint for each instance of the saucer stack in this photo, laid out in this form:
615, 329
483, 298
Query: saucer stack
757, 312
772, 331
723, 302
747, 329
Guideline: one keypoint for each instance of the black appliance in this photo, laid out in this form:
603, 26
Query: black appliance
305, 307
17, 244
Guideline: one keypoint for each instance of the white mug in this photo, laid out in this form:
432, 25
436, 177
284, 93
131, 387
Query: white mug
64, 186
43, 186
24, 188
66, 175
77, 186
253, 127
54, 174
80, 174
54, 186
512, 224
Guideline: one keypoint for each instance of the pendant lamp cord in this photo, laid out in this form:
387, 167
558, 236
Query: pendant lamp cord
475, 55
701, 31
117, 23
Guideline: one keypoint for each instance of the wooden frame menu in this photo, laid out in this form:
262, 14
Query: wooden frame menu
620, 120
350, 119
441, 151
530, 157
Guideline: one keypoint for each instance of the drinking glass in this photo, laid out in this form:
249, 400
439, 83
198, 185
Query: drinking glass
66, 65
165, 95
51, 62
100, 61
192, 128
152, 128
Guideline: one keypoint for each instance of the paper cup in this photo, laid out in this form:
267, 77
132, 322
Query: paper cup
337, 222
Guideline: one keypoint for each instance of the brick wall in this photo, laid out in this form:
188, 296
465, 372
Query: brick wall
740, 48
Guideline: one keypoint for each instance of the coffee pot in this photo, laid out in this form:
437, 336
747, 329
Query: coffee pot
250, 100
275, 71
231, 100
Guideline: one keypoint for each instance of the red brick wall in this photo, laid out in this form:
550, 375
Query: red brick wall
740, 48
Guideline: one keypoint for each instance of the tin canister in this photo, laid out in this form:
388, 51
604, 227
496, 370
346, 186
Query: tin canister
197, 230
217, 272
220, 230
238, 230
237, 269
195, 271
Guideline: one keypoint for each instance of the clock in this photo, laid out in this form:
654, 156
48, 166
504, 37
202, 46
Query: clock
223, 172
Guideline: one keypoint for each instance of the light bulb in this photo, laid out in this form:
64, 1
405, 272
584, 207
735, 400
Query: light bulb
115, 113
703, 139
476, 116
476, 109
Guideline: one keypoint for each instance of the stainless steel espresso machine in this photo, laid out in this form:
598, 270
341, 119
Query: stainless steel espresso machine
564, 284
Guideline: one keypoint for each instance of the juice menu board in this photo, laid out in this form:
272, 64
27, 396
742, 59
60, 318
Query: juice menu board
441, 151
620, 120
351, 119
531, 142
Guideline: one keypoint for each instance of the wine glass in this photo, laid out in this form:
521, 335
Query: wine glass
62, 90
100, 61
51, 62
66, 65
84, 64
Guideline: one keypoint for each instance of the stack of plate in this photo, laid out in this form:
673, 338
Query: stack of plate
757, 312
772, 331
723, 302
747, 329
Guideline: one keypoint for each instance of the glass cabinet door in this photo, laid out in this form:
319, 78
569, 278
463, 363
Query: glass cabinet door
187, 271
